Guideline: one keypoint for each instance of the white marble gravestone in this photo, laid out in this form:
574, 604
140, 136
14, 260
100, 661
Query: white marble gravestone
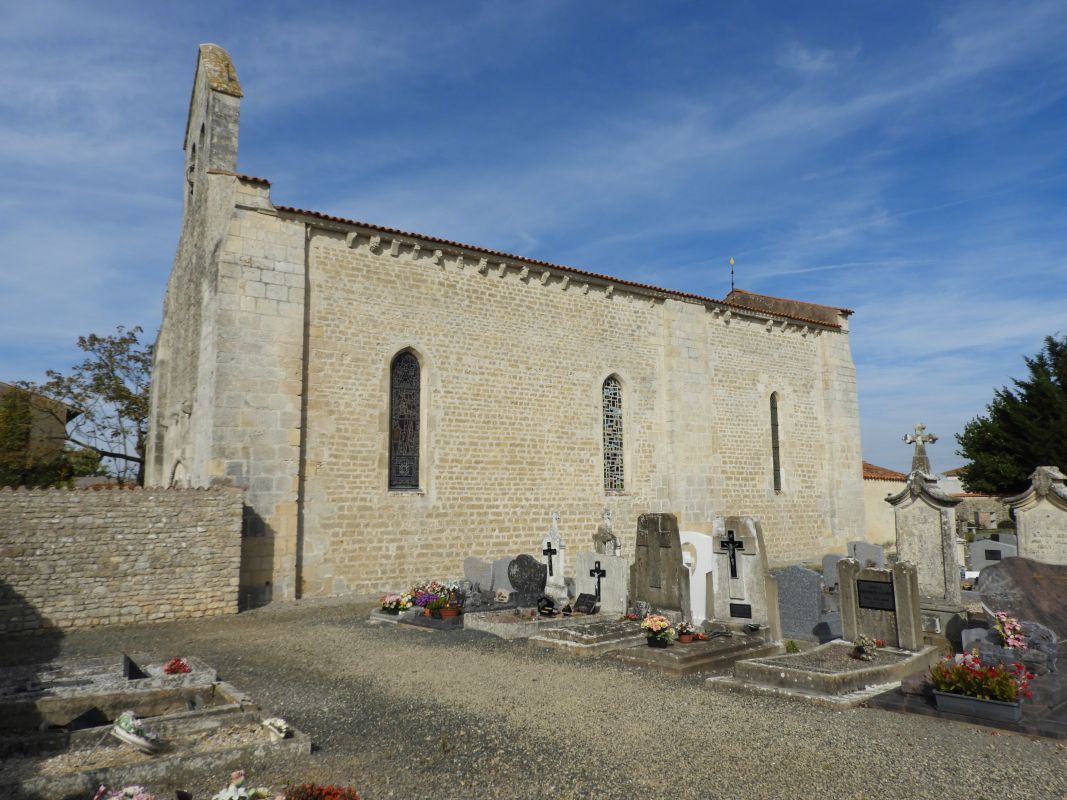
743, 590
697, 555
553, 556
614, 573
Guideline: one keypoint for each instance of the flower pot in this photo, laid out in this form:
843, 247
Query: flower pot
449, 613
993, 710
427, 613
655, 641
685, 638
141, 743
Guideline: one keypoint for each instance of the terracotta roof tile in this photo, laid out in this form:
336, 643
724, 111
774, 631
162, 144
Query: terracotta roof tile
550, 265
875, 473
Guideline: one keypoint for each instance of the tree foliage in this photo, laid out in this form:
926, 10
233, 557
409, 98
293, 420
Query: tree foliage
1023, 428
27, 457
110, 390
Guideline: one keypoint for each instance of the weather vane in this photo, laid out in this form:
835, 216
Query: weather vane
731, 273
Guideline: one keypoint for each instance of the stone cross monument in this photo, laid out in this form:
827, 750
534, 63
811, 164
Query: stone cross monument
553, 552
919, 460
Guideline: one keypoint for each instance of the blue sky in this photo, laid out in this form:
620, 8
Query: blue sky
904, 160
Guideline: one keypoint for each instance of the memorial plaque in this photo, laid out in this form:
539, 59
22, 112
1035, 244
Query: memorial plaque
585, 604
741, 610
993, 555
931, 623
876, 595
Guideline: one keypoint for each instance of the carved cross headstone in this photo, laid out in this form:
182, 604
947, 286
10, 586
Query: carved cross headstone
919, 460
549, 551
552, 548
658, 575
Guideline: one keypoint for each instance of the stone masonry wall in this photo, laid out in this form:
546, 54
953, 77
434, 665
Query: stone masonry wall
73, 559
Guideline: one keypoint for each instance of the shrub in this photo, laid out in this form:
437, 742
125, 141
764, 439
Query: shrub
792, 647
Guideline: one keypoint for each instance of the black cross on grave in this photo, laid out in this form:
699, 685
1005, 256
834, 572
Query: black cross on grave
731, 545
598, 573
549, 551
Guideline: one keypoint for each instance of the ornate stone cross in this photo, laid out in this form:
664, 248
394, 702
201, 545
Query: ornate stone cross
598, 573
919, 460
731, 545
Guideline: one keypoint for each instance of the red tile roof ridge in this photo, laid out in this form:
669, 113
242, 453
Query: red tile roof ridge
549, 264
872, 472
239, 176
846, 311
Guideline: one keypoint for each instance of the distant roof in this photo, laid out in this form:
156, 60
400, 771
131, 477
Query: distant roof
875, 473
812, 313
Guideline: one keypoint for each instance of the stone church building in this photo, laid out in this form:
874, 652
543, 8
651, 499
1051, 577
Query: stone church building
393, 402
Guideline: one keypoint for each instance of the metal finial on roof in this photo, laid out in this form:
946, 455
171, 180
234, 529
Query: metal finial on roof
731, 273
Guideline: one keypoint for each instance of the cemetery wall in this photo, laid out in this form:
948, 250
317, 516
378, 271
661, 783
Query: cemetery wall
72, 559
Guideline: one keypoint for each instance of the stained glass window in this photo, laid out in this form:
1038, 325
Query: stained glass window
613, 467
776, 460
404, 422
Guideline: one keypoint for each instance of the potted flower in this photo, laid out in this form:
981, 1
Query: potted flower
453, 606
436, 606
686, 632
177, 666
964, 685
1011, 632
128, 728
658, 629
393, 603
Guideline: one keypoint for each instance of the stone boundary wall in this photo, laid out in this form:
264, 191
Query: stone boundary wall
74, 559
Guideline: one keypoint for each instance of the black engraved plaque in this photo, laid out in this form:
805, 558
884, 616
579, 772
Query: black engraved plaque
876, 595
994, 555
741, 610
585, 604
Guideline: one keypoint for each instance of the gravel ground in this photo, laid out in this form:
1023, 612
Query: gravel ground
409, 713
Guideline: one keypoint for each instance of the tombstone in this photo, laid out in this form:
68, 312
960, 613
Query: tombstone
606, 572
869, 555
527, 576
553, 556
130, 669
829, 569
742, 589
1039, 655
881, 603
501, 581
1027, 590
802, 606
1041, 517
658, 575
479, 572
1006, 538
983, 552
605, 542
697, 556
926, 536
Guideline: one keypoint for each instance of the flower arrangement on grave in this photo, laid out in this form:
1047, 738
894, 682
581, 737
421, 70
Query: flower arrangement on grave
632, 617
126, 793
129, 728
314, 791
394, 603
177, 666
278, 728
1011, 632
238, 791
658, 627
686, 628
966, 675
864, 648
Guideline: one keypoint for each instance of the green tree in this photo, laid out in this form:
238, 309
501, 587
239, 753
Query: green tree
1023, 428
110, 390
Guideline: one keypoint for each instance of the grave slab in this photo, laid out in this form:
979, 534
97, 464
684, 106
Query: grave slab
593, 638
519, 623
699, 656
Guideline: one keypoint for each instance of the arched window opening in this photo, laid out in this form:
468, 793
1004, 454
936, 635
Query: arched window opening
404, 397
776, 458
614, 480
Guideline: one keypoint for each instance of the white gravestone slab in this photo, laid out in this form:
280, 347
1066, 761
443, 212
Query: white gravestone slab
982, 553
743, 590
697, 555
553, 556
501, 581
614, 573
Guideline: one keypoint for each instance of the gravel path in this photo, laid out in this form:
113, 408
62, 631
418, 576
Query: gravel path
407, 713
